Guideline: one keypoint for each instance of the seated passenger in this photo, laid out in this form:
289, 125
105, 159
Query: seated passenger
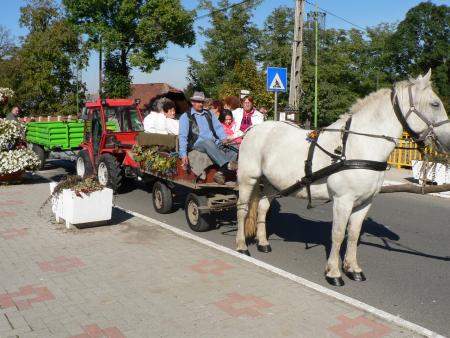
247, 116
172, 125
228, 124
202, 131
155, 122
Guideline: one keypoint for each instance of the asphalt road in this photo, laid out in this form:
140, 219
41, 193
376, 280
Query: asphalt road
404, 249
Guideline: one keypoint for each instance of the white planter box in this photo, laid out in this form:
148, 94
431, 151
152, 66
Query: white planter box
95, 207
436, 172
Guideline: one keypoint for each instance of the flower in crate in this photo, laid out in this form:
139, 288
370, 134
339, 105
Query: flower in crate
12, 161
11, 133
5, 94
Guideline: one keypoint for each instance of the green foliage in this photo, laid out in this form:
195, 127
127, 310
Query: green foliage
350, 66
231, 39
421, 42
40, 71
275, 47
246, 76
154, 161
132, 32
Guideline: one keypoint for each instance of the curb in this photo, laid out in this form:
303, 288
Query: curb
436, 194
297, 279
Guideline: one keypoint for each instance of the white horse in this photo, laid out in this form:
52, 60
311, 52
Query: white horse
275, 153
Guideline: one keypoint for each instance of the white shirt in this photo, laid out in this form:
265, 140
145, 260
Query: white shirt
155, 123
238, 114
172, 126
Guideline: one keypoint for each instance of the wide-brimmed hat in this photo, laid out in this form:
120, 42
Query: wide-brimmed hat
198, 96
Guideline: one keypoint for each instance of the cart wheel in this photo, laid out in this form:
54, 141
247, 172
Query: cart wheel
39, 151
84, 166
162, 198
199, 220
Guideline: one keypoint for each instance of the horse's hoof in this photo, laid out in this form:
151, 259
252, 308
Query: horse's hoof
264, 248
356, 276
244, 252
335, 281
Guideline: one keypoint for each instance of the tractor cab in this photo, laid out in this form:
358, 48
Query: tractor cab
110, 130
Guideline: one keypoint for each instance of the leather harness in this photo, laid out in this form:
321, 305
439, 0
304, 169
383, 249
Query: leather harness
338, 158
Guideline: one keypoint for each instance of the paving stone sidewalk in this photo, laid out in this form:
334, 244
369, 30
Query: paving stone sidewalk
135, 279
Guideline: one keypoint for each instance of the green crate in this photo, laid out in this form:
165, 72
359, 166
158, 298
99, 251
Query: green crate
52, 135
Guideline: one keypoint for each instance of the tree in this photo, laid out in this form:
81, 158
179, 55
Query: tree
231, 39
132, 33
421, 42
6, 43
245, 75
275, 48
40, 71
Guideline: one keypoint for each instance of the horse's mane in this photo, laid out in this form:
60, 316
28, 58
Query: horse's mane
363, 102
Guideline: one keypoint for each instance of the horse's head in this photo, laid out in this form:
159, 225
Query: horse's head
423, 112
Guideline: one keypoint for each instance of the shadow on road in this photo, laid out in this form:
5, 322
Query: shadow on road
291, 227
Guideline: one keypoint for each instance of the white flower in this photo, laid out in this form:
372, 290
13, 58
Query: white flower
10, 133
16, 160
5, 92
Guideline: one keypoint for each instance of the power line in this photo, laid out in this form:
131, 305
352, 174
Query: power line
337, 16
223, 9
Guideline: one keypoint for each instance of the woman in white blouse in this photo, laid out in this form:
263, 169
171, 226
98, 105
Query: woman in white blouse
163, 121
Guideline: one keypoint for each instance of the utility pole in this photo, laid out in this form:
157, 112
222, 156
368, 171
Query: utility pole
297, 53
316, 62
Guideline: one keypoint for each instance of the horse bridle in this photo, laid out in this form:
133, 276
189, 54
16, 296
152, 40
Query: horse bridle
418, 137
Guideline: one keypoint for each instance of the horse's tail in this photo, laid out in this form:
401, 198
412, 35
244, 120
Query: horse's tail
252, 214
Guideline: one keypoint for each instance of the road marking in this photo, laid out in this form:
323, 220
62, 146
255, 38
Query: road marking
300, 280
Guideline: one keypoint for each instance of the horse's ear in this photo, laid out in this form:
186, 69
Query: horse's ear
424, 81
427, 76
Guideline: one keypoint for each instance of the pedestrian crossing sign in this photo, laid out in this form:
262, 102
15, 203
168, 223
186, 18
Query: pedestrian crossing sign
276, 79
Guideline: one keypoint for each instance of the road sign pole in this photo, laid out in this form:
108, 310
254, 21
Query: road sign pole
275, 107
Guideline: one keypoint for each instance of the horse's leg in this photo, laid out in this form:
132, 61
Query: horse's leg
261, 235
342, 208
245, 192
351, 267
263, 207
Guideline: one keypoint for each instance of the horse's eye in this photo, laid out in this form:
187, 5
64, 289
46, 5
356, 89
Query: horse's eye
435, 104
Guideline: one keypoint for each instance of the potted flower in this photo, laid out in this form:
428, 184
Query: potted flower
5, 95
15, 158
437, 169
79, 201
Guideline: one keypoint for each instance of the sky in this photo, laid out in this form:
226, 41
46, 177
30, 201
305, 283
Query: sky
362, 13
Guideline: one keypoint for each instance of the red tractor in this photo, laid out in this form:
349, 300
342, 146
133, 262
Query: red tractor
110, 130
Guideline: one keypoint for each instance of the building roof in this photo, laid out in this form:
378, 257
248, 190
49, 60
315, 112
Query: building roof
149, 92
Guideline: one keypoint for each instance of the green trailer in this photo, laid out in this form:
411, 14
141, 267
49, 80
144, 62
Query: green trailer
44, 137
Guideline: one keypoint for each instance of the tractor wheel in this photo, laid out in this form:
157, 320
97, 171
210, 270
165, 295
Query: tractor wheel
109, 173
84, 165
39, 151
198, 219
162, 198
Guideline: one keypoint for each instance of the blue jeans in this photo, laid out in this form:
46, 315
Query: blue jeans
218, 155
